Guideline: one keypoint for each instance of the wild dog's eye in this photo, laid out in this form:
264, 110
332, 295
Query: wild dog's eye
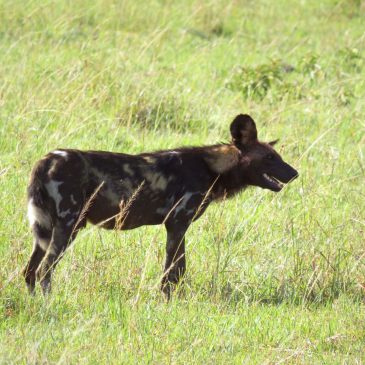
270, 156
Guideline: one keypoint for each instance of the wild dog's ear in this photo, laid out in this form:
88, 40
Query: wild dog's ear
273, 143
243, 130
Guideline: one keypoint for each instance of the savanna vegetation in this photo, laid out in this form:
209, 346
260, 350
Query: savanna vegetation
272, 278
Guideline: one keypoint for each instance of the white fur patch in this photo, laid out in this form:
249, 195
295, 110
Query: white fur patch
156, 181
36, 214
52, 188
111, 195
149, 159
73, 201
128, 170
184, 202
162, 211
60, 153
64, 213
43, 244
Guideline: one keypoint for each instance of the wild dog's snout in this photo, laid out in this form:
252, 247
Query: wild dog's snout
288, 174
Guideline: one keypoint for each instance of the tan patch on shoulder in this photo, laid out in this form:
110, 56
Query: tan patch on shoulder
222, 158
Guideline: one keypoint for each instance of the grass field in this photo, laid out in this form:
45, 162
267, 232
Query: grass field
272, 278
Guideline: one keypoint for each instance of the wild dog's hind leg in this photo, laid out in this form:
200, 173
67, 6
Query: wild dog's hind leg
175, 265
42, 238
62, 236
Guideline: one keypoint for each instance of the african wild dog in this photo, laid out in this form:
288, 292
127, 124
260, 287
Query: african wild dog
114, 190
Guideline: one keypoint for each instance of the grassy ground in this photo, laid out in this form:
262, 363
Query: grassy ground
271, 278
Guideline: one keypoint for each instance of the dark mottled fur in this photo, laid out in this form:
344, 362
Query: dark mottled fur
115, 190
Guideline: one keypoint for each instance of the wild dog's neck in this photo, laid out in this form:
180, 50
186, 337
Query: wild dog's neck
230, 183
224, 162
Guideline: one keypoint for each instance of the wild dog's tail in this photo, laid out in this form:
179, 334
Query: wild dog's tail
38, 198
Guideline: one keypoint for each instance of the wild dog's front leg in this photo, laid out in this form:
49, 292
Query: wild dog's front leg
175, 264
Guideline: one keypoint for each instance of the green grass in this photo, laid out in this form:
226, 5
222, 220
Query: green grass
272, 278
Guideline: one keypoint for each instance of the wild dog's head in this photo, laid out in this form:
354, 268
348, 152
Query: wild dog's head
263, 166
